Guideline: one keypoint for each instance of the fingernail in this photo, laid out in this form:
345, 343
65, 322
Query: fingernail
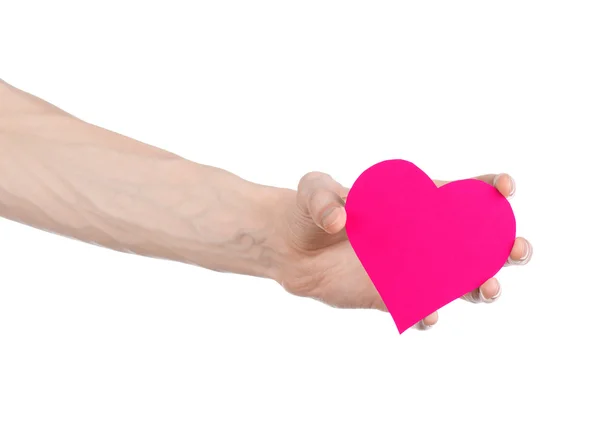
528, 251
471, 297
330, 216
525, 257
493, 298
513, 187
423, 326
495, 180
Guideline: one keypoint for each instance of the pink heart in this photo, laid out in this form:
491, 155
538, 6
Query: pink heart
424, 246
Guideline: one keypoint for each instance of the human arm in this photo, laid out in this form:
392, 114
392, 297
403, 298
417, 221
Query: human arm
69, 177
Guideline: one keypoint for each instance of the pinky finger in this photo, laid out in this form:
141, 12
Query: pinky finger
428, 322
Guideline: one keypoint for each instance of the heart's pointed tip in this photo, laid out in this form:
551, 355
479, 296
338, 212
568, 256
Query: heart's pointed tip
402, 323
405, 327
402, 330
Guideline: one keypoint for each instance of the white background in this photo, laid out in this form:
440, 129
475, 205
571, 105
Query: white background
271, 90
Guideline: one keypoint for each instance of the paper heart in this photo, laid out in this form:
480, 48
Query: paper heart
424, 246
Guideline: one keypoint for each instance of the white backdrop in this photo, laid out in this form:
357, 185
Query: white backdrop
270, 90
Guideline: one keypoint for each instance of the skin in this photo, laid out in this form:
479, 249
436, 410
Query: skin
69, 177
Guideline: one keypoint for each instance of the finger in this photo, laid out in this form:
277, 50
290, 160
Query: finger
503, 182
428, 322
488, 292
320, 196
521, 253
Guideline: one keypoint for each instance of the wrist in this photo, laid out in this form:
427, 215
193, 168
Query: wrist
237, 225
270, 209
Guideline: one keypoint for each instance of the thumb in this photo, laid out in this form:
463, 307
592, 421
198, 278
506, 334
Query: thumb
321, 197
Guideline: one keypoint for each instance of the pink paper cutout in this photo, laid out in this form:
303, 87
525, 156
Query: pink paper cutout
424, 246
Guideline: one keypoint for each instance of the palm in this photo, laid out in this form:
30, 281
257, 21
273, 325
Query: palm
333, 275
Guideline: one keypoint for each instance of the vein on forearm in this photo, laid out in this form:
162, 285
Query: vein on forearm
136, 199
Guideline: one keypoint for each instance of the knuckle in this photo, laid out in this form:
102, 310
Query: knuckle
312, 181
310, 178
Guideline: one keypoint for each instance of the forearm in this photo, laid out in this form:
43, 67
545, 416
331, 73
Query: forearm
97, 186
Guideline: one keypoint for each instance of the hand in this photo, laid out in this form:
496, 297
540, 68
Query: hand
322, 265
